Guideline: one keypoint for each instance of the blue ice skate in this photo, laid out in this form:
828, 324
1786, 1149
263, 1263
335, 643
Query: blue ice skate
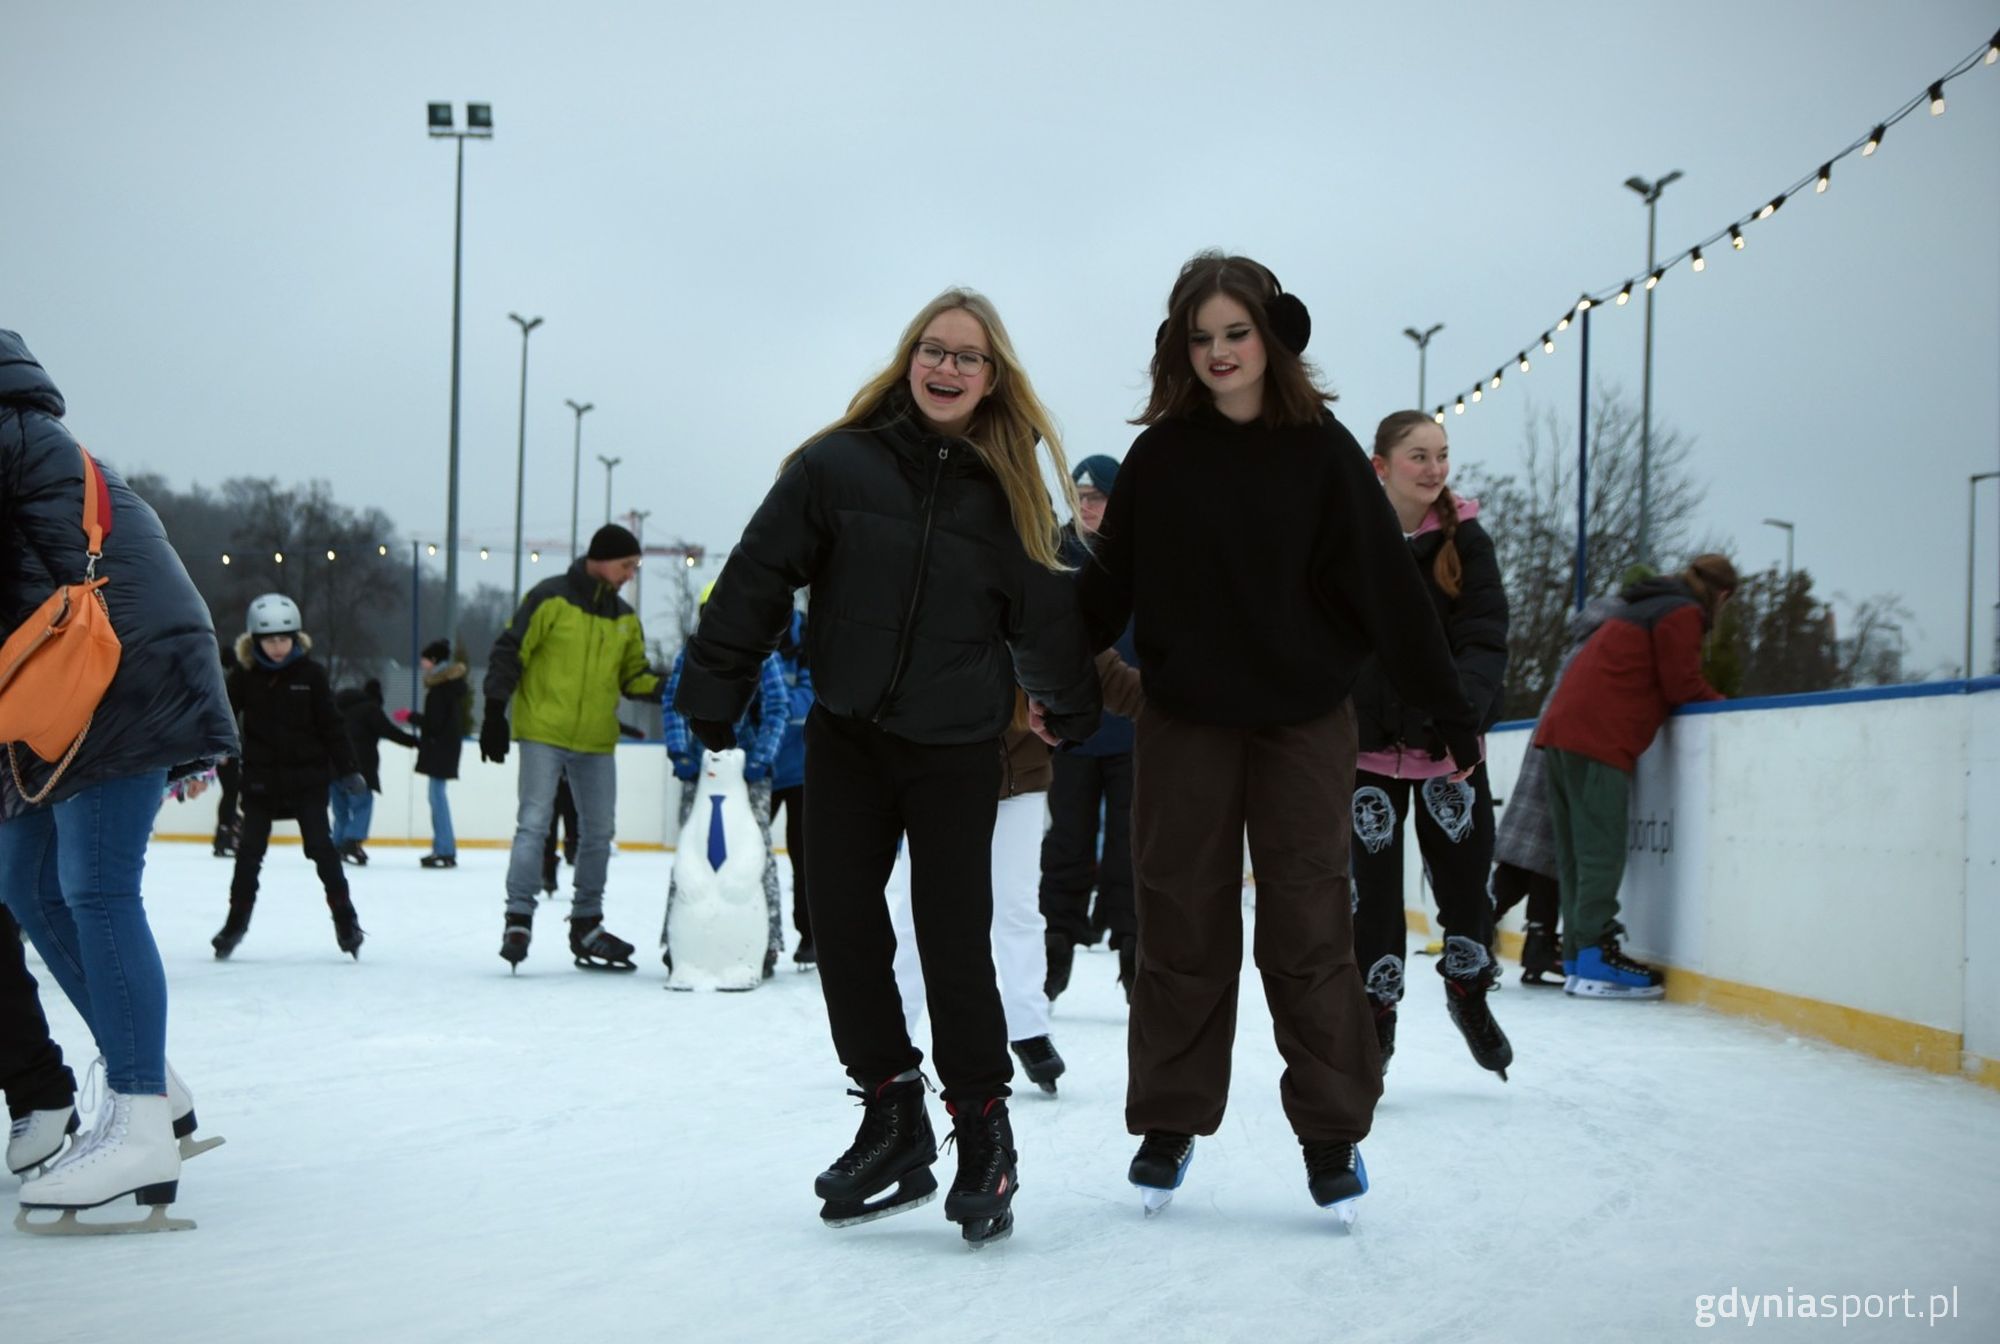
1336, 1176
1603, 971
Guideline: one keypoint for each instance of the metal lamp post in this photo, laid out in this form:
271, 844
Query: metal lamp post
576, 471
527, 325
609, 463
1423, 342
1971, 522
1650, 193
1780, 522
478, 126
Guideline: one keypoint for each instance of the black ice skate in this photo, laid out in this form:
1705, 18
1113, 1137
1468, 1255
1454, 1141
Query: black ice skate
981, 1201
805, 956
1040, 1062
514, 941
1336, 1176
232, 932
353, 853
894, 1146
225, 842
438, 861
1159, 1167
1062, 955
1469, 972
1541, 956
1385, 1031
347, 930
595, 948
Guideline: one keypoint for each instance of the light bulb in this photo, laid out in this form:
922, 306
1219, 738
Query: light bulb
1625, 293
1654, 278
1564, 324
1495, 384
278, 557
329, 555
482, 552
1460, 408
1736, 237
1548, 346
1874, 141
1583, 304
1825, 176
431, 549
1439, 416
1771, 206
225, 558
1477, 394
534, 557
1937, 99
381, 550
1522, 361
1697, 262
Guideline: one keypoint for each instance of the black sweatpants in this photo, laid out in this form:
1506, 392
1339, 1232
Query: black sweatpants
1070, 862
254, 837
1511, 884
1454, 826
870, 789
229, 776
32, 1073
793, 800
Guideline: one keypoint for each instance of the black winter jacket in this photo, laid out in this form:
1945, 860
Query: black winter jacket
367, 725
1475, 625
294, 738
926, 611
441, 727
165, 708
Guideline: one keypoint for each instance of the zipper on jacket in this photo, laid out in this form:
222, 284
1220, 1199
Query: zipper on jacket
916, 587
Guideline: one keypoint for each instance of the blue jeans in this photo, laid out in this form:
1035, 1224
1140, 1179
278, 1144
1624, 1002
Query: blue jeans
593, 782
70, 874
352, 813
444, 843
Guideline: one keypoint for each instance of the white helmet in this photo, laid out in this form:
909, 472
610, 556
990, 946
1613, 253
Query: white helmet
274, 614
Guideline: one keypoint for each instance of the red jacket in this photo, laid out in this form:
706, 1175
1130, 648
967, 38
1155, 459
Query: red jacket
1642, 662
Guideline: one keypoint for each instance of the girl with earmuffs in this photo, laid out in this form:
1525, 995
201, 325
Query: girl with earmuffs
1248, 644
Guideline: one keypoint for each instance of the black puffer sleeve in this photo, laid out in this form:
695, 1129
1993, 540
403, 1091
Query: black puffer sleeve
1052, 653
1478, 626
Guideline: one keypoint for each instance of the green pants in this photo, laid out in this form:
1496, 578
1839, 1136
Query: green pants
1588, 804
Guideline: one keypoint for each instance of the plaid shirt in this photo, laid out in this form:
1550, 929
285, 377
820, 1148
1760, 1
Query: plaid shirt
759, 734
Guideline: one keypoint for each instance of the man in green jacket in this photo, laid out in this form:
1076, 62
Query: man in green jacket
571, 650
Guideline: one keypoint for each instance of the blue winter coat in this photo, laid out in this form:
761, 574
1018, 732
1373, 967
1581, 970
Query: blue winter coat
165, 708
789, 770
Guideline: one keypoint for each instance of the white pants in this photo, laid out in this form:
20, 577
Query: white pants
1019, 957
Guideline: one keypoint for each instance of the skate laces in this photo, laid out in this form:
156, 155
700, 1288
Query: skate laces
1168, 1148
1036, 1049
878, 1129
1614, 957
1328, 1158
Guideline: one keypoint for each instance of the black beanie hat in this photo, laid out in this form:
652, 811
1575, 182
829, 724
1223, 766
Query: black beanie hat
438, 651
612, 542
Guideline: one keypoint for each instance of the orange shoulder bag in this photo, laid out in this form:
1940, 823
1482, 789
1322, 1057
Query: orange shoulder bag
56, 665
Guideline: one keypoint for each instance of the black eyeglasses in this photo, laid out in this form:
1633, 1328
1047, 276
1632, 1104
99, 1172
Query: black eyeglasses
968, 362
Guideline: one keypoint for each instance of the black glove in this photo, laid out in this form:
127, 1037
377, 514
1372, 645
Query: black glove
714, 734
353, 785
493, 740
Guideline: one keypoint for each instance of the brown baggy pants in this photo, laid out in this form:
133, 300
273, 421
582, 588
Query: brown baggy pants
1196, 788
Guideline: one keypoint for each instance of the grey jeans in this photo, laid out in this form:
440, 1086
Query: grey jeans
593, 782
760, 807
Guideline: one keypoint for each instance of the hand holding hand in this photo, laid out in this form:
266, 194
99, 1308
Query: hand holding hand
1038, 723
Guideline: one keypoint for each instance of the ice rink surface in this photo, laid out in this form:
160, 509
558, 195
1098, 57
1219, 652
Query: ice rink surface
421, 1147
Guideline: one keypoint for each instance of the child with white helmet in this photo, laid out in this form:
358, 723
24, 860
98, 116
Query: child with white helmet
294, 747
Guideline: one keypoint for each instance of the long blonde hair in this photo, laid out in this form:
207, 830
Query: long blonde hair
1005, 428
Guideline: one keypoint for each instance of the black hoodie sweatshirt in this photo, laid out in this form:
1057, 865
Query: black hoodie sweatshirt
1260, 567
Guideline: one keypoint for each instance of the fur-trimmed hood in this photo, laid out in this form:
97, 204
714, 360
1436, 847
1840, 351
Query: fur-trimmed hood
438, 676
246, 648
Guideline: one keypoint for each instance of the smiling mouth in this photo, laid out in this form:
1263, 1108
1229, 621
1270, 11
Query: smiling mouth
944, 391
1221, 370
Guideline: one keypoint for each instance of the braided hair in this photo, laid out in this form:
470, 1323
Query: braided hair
1447, 569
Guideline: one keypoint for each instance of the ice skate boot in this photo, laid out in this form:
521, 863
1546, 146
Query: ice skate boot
353, 853
1541, 956
514, 941
232, 931
1603, 971
347, 930
129, 1151
1159, 1167
180, 1105
981, 1201
1384, 984
1040, 1062
438, 861
225, 842
1336, 1176
594, 947
894, 1146
36, 1139
805, 956
1062, 956
1469, 972
1385, 1031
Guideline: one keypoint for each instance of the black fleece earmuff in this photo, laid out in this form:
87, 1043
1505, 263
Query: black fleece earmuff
1291, 325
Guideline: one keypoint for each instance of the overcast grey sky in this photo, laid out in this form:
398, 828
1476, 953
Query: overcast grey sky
228, 237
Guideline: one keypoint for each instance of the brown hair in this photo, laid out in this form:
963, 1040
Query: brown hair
1292, 394
1447, 568
1709, 577
1005, 427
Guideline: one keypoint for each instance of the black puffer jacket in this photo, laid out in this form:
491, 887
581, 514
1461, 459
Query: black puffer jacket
926, 611
367, 725
1475, 624
294, 737
441, 727
165, 708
